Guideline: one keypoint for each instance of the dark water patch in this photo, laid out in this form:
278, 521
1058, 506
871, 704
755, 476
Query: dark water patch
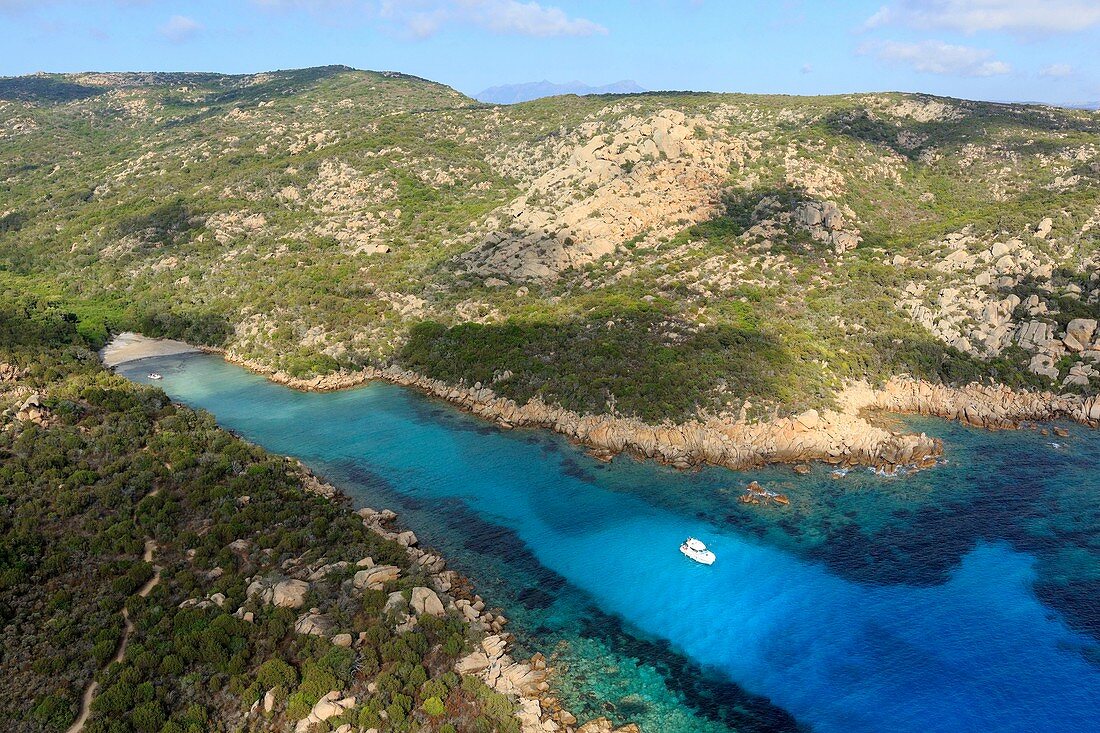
535, 598
707, 692
1079, 601
913, 553
363, 478
355, 480
427, 409
486, 538
571, 467
499, 542
1005, 497
537, 589
631, 707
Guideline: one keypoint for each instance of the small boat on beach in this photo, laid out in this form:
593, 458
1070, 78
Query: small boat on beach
697, 551
155, 375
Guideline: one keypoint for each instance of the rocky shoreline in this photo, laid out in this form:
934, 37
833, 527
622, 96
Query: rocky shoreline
985, 406
842, 438
525, 682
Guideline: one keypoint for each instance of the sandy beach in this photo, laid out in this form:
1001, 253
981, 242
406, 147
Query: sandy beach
131, 346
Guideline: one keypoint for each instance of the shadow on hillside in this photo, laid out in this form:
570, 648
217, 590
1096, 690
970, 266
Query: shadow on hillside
45, 89
741, 209
653, 367
280, 84
159, 224
977, 125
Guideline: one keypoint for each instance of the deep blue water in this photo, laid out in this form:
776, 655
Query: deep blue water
958, 599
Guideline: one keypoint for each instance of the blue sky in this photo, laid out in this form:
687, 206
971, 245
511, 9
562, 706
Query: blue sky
1029, 50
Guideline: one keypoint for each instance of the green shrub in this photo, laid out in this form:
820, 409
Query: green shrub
276, 673
148, 717
433, 706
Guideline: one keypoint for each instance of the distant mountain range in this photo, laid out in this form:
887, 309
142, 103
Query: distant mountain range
513, 93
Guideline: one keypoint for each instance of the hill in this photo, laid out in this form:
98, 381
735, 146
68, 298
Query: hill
662, 255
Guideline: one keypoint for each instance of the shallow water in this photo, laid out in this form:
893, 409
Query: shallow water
958, 599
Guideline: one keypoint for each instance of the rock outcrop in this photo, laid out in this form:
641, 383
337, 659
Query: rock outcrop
282, 593
826, 223
987, 406
376, 578
314, 623
603, 725
524, 681
33, 410
425, 601
606, 184
329, 706
11, 372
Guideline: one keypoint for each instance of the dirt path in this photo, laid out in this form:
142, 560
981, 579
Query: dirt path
128, 628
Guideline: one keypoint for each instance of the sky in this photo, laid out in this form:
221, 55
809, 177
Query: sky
1003, 50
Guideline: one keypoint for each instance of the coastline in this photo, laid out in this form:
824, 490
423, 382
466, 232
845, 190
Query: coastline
130, 346
846, 435
842, 437
835, 437
525, 682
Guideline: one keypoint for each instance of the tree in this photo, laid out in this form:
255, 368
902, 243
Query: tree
148, 717
276, 673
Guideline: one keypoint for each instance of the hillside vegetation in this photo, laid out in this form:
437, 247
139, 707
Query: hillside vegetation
257, 617
659, 255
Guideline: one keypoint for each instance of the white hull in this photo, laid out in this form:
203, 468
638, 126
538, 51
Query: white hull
706, 557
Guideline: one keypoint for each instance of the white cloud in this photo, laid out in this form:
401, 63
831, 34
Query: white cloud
807, 68
425, 17
937, 57
1056, 71
970, 16
180, 28
530, 18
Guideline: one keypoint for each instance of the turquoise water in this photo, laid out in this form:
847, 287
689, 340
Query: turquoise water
958, 599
